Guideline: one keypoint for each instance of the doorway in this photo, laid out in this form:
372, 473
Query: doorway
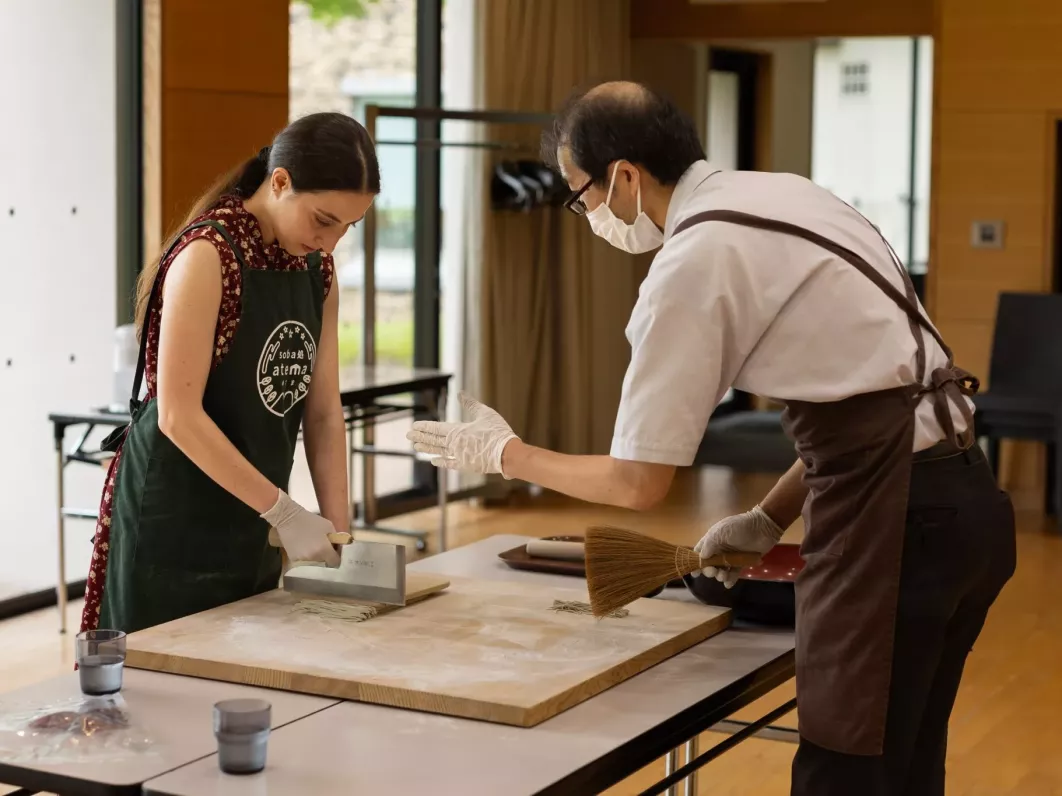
735, 84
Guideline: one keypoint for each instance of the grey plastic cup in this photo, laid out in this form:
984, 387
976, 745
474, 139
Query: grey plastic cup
100, 656
241, 727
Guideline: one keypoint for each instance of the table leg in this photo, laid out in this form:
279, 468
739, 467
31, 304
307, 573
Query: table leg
670, 766
368, 475
350, 476
441, 474
690, 783
60, 591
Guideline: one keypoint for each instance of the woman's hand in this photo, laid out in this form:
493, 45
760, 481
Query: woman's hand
303, 534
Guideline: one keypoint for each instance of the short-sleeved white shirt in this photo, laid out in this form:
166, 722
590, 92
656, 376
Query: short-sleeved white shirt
765, 312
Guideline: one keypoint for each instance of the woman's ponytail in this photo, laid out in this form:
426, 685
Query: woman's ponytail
235, 181
321, 152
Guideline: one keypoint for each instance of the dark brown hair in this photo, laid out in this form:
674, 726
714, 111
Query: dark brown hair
321, 152
638, 125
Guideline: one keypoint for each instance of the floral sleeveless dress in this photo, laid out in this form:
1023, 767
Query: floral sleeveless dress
245, 232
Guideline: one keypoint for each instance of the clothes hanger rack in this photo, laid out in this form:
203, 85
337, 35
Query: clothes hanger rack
428, 213
432, 118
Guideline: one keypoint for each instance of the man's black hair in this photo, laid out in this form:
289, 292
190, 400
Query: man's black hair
635, 124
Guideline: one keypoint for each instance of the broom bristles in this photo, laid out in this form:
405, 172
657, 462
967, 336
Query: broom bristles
623, 566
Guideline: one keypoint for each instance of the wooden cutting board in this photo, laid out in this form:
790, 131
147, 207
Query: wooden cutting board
490, 650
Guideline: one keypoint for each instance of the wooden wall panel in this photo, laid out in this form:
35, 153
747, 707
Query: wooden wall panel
240, 125
1002, 56
215, 91
151, 127
231, 46
671, 68
998, 88
679, 19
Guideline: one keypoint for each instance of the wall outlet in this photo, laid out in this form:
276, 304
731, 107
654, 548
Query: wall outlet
986, 235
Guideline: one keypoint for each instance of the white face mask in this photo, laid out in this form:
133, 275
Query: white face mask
637, 238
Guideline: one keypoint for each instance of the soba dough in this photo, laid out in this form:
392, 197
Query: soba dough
350, 612
576, 607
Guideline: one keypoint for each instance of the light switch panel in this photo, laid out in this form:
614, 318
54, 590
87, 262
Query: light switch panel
986, 235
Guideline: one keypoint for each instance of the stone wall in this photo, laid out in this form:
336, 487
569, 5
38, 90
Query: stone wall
383, 44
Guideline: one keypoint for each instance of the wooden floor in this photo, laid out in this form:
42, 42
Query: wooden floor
1005, 738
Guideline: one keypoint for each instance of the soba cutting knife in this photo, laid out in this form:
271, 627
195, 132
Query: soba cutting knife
370, 571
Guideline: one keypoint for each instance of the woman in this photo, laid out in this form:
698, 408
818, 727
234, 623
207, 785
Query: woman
238, 321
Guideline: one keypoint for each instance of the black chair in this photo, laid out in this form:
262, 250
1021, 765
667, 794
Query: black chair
1024, 400
747, 442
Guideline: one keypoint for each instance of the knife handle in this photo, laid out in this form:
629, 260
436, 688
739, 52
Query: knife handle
334, 538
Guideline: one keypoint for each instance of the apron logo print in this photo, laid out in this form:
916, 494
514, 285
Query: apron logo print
285, 367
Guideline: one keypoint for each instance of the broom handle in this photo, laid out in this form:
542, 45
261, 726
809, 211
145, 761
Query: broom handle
334, 538
731, 560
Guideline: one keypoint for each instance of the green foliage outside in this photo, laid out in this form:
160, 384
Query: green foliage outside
394, 342
394, 227
330, 12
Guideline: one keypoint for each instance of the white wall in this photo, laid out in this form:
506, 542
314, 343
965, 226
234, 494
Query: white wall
57, 267
460, 264
862, 143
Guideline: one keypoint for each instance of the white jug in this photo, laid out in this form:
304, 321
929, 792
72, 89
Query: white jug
126, 350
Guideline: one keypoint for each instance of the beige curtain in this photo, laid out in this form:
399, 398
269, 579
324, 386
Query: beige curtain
555, 299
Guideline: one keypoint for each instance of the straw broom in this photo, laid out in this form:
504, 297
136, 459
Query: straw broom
623, 566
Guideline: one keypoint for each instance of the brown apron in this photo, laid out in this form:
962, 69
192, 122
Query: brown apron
858, 454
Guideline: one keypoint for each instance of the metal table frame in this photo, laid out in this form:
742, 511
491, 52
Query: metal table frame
681, 733
666, 738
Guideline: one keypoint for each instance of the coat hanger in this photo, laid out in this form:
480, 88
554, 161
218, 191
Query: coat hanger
535, 188
556, 190
507, 192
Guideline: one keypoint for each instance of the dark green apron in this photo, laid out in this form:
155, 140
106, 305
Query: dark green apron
179, 543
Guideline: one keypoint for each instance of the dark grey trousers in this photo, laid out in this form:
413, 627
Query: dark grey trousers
959, 551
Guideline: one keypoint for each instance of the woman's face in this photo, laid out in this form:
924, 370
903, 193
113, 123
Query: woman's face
305, 221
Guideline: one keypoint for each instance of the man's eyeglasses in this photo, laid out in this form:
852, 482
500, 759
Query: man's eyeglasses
575, 203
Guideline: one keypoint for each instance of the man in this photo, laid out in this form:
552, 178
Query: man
773, 285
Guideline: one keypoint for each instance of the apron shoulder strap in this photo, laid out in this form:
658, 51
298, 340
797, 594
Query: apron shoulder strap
948, 383
141, 359
906, 303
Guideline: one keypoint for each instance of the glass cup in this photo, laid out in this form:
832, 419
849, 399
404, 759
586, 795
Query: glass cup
100, 659
241, 727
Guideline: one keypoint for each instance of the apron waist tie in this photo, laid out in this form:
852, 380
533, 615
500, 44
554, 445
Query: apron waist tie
956, 384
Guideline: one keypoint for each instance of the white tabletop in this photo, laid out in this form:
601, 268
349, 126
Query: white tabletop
174, 714
360, 748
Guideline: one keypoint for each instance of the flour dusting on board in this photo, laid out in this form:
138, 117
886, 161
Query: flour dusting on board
496, 642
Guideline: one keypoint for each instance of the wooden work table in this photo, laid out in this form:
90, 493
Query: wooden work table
323, 747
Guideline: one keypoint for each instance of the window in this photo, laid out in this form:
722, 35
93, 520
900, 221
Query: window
345, 55
855, 78
873, 150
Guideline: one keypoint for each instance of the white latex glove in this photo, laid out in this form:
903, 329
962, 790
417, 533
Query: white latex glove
303, 534
752, 531
473, 446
